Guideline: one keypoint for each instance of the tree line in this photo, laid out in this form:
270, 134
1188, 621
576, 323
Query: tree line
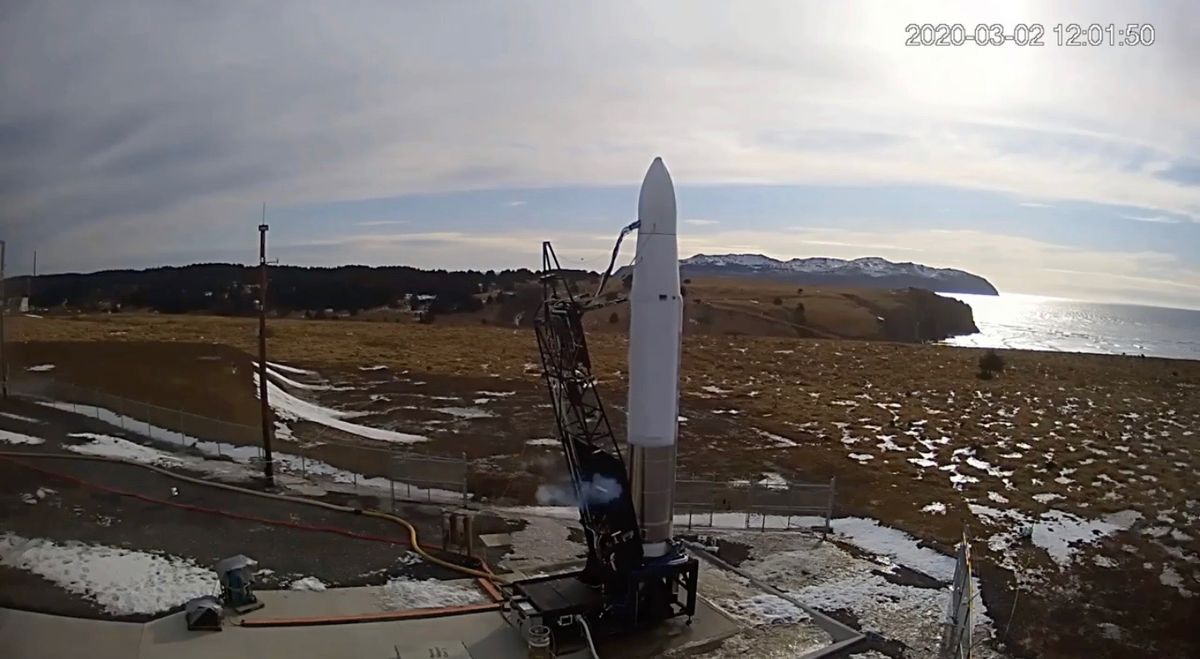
231, 289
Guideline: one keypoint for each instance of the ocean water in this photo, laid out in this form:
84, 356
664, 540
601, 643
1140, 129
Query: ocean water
1042, 323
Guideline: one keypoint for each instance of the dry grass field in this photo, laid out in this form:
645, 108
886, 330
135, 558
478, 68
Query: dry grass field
1102, 449
751, 307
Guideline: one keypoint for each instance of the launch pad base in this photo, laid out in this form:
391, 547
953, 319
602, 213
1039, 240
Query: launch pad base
654, 593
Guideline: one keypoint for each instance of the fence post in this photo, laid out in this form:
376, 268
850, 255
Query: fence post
392, 483
829, 505
749, 502
466, 469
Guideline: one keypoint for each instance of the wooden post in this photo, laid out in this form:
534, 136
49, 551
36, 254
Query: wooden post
267, 425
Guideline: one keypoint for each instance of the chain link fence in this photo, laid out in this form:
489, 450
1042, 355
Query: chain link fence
959, 627
396, 472
402, 474
154, 421
763, 505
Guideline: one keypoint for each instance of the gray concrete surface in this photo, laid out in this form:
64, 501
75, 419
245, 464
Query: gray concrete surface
28, 635
349, 601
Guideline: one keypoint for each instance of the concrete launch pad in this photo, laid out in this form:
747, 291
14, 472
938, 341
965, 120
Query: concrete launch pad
468, 636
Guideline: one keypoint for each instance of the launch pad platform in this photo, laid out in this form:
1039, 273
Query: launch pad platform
654, 593
468, 636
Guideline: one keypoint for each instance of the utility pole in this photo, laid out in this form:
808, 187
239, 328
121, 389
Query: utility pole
267, 425
3, 341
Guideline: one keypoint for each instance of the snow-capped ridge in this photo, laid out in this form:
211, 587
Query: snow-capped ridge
869, 271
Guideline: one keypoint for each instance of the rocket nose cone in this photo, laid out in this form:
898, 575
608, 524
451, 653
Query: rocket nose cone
656, 203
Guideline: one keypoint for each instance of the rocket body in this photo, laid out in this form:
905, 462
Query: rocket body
655, 316
655, 334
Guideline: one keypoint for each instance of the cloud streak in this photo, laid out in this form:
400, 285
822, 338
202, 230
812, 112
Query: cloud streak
1154, 219
139, 130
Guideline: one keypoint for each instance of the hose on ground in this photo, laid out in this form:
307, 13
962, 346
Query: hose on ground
413, 539
587, 632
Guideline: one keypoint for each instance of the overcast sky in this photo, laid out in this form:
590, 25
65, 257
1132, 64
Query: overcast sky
462, 134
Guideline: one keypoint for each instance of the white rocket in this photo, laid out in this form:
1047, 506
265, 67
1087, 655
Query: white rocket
655, 334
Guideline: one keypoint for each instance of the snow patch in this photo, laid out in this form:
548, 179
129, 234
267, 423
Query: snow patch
288, 369
1059, 533
291, 408
295, 384
21, 417
120, 581
765, 609
248, 455
32, 498
778, 441
869, 534
308, 583
116, 447
40, 368
1103, 561
773, 481
402, 594
935, 508
10, 437
465, 412
1171, 578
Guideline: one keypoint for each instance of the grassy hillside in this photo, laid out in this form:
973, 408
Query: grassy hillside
753, 307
